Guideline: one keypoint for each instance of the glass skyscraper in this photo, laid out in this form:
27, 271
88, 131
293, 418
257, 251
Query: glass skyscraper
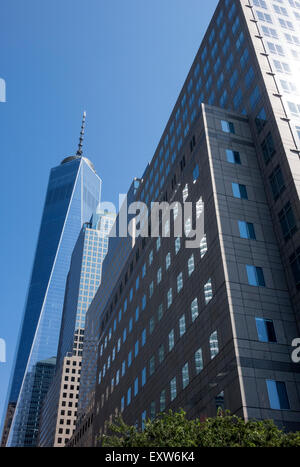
73, 194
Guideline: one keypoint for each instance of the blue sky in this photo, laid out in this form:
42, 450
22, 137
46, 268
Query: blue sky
124, 62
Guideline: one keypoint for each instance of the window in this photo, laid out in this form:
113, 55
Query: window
179, 282
287, 221
239, 191
270, 32
136, 386
282, 67
278, 397
137, 314
158, 243
177, 245
173, 389
196, 173
264, 17
227, 127
171, 340
144, 376
129, 396
161, 354
182, 327
198, 361
213, 344
194, 309
255, 276
169, 298
277, 183
265, 330
185, 376
191, 265
233, 156
144, 334
136, 348
152, 365
150, 258
162, 401
208, 294
159, 276
160, 312
275, 49
168, 261
247, 230
151, 325
240, 40
129, 359
203, 246
151, 289
286, 24
144, 416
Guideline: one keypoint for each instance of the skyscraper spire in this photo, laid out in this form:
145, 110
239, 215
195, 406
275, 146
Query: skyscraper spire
79, 151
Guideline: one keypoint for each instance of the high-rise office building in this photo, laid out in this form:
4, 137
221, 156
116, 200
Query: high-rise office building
72, 196
60, 406
119, 248
199, 328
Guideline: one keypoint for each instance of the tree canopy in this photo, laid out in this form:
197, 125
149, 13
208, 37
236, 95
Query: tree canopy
174, 430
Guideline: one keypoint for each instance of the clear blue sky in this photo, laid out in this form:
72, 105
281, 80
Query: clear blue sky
124, 62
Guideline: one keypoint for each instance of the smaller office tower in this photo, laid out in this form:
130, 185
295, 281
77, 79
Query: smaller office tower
60, 407
118, 252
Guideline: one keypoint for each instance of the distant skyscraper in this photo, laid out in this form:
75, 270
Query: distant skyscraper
60, 406
72, 196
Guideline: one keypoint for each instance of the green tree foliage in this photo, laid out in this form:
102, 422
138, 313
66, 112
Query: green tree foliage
175, 430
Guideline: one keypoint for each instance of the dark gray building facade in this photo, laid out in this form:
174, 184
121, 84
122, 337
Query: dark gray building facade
198, 328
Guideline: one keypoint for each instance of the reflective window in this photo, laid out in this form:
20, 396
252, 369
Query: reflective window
278, 397
255, 276
265, 330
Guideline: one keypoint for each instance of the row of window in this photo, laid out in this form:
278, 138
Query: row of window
182, 127
277, 394
208, 295
198, 367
